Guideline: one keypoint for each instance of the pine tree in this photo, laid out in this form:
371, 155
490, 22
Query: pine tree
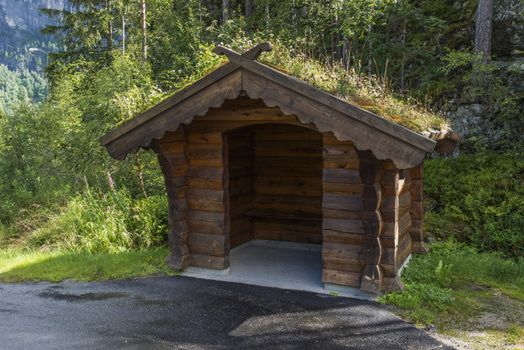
483, 29
143, 27
86, 30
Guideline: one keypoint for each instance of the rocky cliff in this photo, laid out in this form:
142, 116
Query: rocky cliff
20, 24
25, 14
491, 114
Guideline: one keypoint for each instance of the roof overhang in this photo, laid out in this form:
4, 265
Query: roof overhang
367, 131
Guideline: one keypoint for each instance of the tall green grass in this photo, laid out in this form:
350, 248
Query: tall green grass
442, 284
95, 236
96, 222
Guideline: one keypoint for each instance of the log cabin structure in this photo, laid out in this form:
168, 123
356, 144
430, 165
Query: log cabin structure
249, 152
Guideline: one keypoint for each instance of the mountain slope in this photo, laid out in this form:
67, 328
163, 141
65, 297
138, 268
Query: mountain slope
20, 24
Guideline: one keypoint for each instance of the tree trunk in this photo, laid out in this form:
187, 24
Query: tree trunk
294, 17
483, 29
336, 49
249, 8
123, 34
143, 26
225, 10
370, 45
140, 175
346, 53
109, 37
402, 65
267, 17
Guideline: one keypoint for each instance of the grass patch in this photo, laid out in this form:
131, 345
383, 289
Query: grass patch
93, 222
23, 266
451, 281
462, 291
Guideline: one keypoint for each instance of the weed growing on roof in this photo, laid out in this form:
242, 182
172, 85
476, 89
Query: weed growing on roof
368, 92
101, 222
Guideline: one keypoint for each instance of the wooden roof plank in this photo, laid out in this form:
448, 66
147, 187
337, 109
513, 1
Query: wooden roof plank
183, 113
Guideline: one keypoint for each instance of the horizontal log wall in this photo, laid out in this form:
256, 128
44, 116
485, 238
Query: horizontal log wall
287, 183
342, 229
208, 218
174, 164
218, 170
240, 166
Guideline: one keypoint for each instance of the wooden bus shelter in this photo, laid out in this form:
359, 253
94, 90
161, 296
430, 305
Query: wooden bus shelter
249, 152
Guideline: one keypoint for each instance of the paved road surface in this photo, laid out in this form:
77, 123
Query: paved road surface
186, 313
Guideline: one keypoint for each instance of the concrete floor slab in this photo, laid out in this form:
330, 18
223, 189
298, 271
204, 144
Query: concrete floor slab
285, 265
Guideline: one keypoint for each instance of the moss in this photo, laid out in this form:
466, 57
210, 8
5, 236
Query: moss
367, 92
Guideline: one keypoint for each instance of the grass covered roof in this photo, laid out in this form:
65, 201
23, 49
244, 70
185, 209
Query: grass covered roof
368, 92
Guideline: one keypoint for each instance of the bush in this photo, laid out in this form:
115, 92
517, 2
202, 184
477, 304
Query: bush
477, 199
111, 222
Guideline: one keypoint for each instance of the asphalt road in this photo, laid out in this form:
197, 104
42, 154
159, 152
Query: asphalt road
186, 313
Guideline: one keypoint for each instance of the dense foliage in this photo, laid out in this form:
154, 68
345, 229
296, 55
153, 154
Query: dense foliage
20, 87
60, 190
51, 153
477, 199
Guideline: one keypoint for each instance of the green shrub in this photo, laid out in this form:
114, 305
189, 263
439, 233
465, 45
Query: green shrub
477, 199
111, 222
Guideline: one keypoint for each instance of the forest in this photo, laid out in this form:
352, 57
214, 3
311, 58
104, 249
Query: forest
431, 65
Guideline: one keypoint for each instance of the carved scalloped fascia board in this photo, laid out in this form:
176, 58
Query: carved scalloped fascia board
300, 87
189, 91
213, 96
383, 145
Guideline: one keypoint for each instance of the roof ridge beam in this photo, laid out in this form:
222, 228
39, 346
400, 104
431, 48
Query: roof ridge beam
251, 54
